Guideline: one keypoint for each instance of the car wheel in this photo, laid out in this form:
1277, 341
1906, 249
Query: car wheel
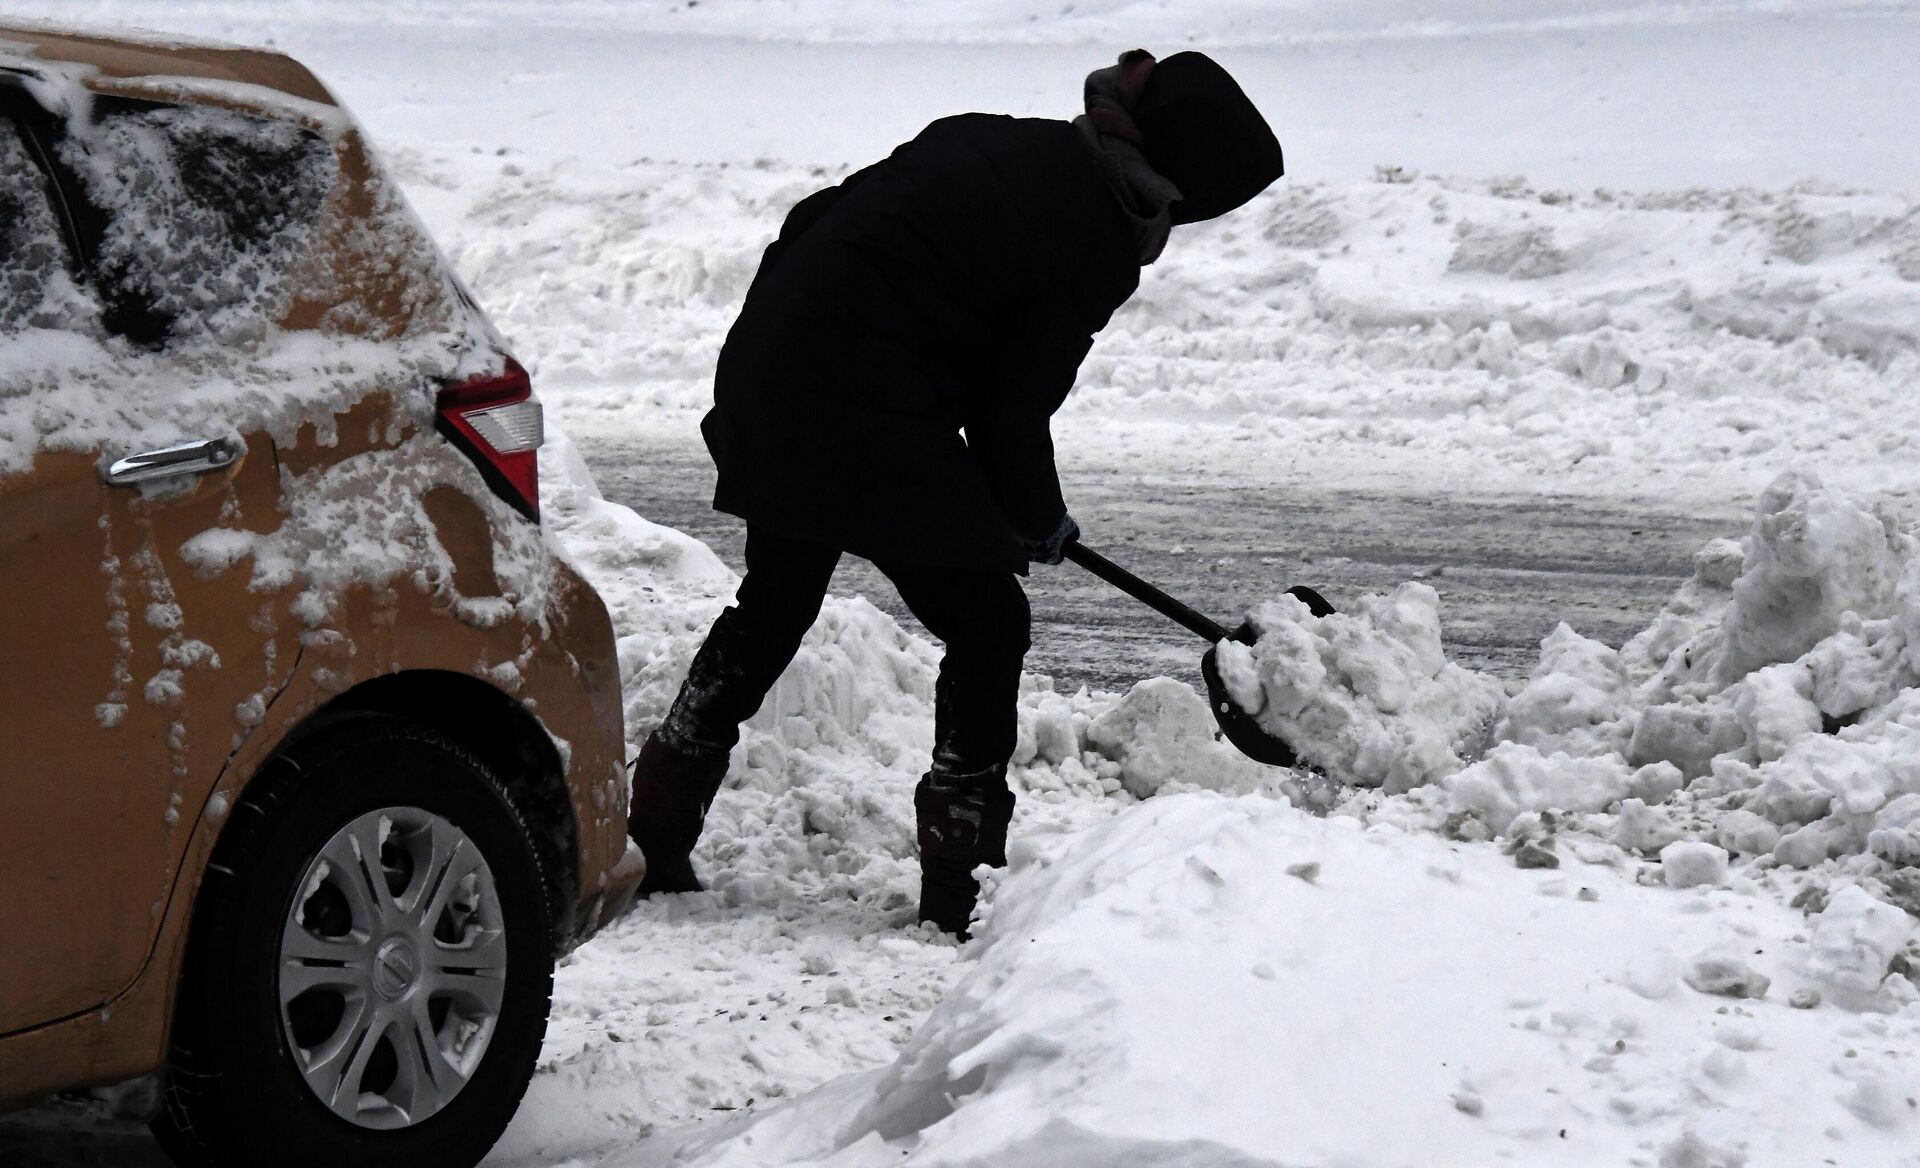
370, 967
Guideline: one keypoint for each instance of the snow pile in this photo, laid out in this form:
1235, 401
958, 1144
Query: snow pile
1582, 332
1231, 982
1514, 781
1621, 993
1596, 1010
1770, 709
1856, 943
1649, 990
1368, 695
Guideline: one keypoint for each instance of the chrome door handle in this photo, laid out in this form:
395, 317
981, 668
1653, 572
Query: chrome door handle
186, 459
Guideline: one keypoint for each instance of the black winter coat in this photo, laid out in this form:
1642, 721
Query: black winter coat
953, 287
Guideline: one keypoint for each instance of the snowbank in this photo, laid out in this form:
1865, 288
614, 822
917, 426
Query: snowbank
1208, 981
1770, 709
1637, 976
1616, 342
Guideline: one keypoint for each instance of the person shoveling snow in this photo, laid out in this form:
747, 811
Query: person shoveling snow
953, 286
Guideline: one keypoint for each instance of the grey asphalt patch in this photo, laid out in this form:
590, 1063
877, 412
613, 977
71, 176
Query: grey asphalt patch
1508, 568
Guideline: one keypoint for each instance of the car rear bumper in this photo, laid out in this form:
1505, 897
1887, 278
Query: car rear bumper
601, 909
579, 700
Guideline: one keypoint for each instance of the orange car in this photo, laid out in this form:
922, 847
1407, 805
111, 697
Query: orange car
311, 757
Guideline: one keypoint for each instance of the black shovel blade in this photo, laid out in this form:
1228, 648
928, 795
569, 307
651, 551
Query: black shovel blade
1316, 604
1239, 727
1247, 735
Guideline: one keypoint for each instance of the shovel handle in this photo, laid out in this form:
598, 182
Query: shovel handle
1197, 623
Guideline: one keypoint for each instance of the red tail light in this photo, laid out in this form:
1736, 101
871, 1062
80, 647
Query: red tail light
497, 422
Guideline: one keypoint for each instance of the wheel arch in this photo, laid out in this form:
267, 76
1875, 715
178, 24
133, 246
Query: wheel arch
505, 735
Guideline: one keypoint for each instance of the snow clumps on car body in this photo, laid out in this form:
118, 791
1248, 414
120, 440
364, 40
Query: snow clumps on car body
255, 271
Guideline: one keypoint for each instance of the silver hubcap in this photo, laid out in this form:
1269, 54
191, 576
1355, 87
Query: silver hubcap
393, 964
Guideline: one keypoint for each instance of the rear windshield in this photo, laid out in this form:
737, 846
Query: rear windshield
205, 215
37, 289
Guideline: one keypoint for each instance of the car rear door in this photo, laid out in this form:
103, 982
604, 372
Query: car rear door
130, 676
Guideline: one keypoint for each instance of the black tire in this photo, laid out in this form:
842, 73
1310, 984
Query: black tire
235, 1096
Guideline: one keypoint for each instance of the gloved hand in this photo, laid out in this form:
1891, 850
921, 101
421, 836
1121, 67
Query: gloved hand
1052, 548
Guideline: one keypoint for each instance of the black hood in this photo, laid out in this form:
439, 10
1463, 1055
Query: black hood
1204, 135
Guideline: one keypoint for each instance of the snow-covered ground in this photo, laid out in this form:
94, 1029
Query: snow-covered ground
1659, 922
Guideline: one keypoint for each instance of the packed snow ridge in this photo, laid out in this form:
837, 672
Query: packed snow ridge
1233, 982
1770, 710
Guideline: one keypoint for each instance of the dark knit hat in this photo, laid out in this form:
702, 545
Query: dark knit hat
1205, 136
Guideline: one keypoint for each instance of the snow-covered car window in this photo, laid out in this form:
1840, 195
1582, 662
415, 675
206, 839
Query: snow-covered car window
207, 212
37, 289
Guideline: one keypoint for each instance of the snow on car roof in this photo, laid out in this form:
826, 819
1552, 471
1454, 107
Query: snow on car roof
124, 55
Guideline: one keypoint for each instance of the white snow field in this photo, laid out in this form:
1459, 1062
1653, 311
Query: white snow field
1651, 910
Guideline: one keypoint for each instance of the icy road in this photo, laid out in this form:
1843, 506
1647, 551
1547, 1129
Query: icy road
1508, 567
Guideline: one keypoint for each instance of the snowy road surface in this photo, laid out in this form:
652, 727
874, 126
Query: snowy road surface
1509, 567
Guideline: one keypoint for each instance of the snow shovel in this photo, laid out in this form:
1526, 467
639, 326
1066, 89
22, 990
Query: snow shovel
1235, 723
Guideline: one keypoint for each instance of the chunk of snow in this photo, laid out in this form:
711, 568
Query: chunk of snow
1161, 732
1727, 976
1689, 864
1513, 779
1853, 944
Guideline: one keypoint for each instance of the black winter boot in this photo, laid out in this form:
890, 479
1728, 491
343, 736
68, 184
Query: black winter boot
963, 824
672, 789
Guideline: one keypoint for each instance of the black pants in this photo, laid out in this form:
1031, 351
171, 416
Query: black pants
979, 614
